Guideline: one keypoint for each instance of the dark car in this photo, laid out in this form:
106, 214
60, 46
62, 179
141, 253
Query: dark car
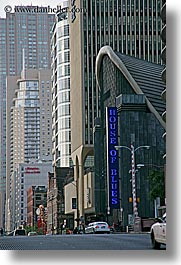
19, 232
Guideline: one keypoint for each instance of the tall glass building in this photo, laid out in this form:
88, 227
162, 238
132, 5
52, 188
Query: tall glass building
2, 118
31, 32
129, 26
29, 127
61, 91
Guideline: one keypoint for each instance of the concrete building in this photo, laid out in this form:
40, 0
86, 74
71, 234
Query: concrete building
28, 122
31, 32
130, 27
27, 175
133, 87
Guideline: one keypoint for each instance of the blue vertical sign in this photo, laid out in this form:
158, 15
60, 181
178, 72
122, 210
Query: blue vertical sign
112, 158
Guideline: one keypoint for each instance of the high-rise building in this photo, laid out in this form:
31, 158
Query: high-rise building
31, 32
130, 27
28, 122
2, 119
61, 90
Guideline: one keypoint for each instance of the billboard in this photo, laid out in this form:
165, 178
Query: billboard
112, 158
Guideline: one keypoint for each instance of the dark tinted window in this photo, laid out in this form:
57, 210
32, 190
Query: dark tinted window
20, 232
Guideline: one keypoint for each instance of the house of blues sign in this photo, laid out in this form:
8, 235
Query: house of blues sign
112, 158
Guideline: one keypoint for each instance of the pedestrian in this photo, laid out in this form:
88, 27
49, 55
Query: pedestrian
61, 228
1, 231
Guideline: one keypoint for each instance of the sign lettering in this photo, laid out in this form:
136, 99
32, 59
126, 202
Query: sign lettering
112, 158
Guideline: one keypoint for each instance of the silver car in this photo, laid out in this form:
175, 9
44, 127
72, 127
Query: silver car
97, 227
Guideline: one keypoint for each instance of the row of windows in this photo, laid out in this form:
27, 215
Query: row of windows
63, 70
63, 136
63, 124
63, 31
63, 57
126, 4
28, 94
65, 148
63, 44
63, 96
64, 110
64, 83
27, 103
29, 85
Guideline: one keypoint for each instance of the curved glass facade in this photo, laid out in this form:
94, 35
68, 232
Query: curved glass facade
61, 93
129, 26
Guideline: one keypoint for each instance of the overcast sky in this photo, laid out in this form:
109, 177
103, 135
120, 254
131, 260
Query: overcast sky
13, 3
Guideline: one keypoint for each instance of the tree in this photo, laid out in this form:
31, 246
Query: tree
157, 185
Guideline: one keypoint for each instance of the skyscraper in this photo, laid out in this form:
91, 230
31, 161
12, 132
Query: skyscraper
28, 124
2, 118
31, 32
128, 26
61, 90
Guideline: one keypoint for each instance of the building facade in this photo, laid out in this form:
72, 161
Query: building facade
31, 32
163, 35
61, 134
2, 119
130, 27
27, 175
132, 86
56, 199
28, 121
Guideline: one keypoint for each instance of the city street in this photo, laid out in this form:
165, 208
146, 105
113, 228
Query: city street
78, 242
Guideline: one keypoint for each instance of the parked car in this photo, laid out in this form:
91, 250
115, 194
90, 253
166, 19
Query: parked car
32, 233
97, 227
19, 232
158, 232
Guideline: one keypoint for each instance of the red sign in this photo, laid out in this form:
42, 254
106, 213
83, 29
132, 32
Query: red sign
32, 170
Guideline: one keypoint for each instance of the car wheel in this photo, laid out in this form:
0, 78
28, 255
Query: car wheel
155, 244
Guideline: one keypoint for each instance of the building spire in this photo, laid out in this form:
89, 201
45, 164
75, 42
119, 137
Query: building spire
23, 63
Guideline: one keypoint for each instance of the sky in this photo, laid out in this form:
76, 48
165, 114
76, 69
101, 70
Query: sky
13, 3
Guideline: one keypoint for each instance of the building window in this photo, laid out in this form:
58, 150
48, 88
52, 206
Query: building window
74, 203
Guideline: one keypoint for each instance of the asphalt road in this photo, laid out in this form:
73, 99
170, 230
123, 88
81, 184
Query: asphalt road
78, 242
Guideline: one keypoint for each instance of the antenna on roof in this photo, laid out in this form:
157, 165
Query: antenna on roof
23, 62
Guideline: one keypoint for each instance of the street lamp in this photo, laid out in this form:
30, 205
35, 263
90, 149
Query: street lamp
132, 149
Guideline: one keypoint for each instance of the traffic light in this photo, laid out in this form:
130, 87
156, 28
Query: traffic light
130, 199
